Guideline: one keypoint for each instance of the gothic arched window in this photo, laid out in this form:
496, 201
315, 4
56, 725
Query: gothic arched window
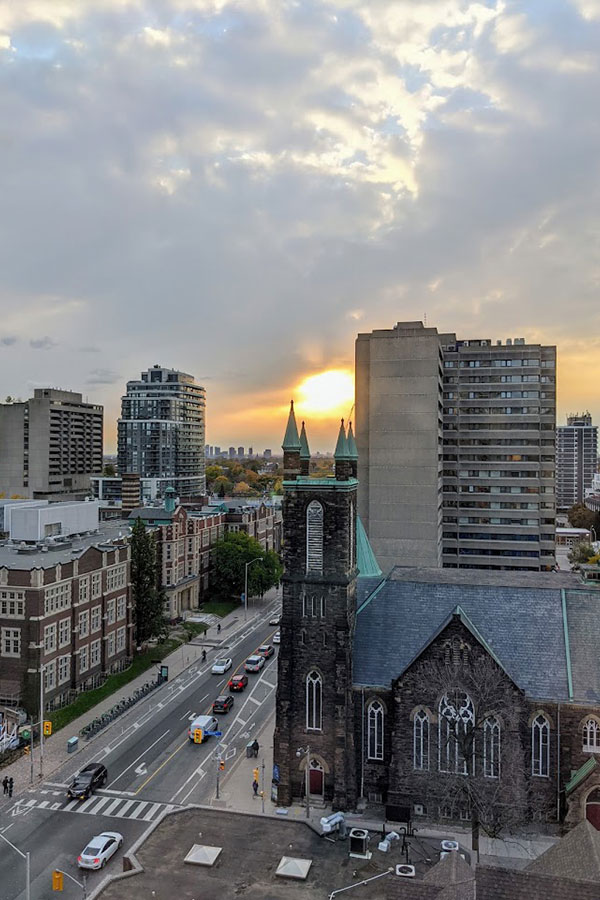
421, 740
540, 746
591, 736
455, 732
314, 537
314, 701
491, 747
375, 730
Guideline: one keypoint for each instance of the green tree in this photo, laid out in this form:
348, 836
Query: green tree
581, 553
148, 596
581, 517
222, 483
269, 572
109, 471
231, 556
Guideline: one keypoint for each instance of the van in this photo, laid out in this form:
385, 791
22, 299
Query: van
206, 723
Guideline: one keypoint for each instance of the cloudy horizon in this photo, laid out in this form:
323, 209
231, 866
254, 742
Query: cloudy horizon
236, 189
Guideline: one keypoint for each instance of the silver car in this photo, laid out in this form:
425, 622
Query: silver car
99, 850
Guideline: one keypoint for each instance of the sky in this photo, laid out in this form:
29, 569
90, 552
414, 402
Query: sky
235, 189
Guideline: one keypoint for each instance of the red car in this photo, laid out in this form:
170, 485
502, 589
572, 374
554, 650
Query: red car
238, 683
266, 650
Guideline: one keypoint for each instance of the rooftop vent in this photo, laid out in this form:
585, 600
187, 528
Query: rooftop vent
405, 871
290, 867
202, 855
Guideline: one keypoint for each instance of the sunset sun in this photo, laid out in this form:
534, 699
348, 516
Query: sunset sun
327, 393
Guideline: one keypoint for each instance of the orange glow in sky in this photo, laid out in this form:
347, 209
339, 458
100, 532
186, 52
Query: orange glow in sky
326, 393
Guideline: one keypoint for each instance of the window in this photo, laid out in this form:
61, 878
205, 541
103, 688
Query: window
96, 585
115, 577
56, 597
110, 644
314, 537
11, 642
50, 676
591, 736
375, 730
314, 691
84, 624
50, 638
64, 632
84, 659
456, 722
421, 741
12, 604
110, 611
121, 607
308, 605
491, 748
540, 746
94, 653
120, 639
64, 669
96, 618
84, 585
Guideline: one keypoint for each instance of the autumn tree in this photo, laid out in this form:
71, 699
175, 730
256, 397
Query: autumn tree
582, 552
580, 516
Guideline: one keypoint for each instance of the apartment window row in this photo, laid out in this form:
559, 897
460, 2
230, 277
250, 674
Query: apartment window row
496, 536
12, 604
497, 410
487, 551
57, 597
116, 577
499, 473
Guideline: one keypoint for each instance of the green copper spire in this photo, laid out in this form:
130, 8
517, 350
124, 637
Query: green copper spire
341, 448
352, 448
291, 441
304, 448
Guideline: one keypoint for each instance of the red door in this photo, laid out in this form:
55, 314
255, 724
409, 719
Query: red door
316, 782
592, 808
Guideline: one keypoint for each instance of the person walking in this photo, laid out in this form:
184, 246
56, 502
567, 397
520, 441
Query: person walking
255, 787
10, 786
255, 748
219, 628
5, 784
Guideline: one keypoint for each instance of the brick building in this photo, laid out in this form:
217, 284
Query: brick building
258, 519
65, 609
381, 680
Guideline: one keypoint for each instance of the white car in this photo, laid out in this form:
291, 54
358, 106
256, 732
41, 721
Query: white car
275, 620
277, 637
220, 666
254, 663
99, 850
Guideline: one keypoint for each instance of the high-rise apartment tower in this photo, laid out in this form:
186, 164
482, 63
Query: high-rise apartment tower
161, 431
50, 445
576, 459
456, 449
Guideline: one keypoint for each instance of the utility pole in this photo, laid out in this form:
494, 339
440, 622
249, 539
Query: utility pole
42, 668
262, 786
27, 859
82, 884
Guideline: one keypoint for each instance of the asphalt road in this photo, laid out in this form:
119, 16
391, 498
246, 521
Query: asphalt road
151, 765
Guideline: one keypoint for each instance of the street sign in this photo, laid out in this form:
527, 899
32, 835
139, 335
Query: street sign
213, 733
243, 597
276, 773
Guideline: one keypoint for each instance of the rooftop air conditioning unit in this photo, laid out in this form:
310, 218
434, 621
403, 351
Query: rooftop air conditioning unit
450, 846
359, 839
405, 871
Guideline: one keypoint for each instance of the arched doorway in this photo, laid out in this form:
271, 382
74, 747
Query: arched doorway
316, 779
592, 808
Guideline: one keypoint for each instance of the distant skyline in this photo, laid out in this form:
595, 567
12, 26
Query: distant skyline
236, 189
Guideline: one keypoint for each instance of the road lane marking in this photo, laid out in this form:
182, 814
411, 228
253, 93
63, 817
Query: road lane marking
43, 804
254, 700
114, 781
109, 809
185, 714
71, 805
86, 803
138, 810
125, 807
101, 802
168, 759
151, 811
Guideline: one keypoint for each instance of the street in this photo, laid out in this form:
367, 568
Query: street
152, 766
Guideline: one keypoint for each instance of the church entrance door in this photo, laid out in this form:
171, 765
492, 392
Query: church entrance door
592, 808
315, 778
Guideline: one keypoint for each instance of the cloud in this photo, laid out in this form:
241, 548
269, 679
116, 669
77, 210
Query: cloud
45, 343
103, 376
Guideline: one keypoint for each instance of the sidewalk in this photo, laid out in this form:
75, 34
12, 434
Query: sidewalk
55, 747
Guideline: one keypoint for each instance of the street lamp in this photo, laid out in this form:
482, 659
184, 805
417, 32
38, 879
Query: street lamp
593, 530
300, 752
27, 866
258, 558
42, 670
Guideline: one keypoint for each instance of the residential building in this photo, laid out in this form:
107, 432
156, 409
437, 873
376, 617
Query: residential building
50, 445
65, 609
217, 451
380, 676
161, 432
592, 498
576, 459
456, 449
231, 452
267, 454
259, 519
240, 452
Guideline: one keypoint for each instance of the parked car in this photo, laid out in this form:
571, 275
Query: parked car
203, 724
222, 704
220, 666
99, 850
265, 650
254, 663
275, 620
238, 683
91, 777
277, 637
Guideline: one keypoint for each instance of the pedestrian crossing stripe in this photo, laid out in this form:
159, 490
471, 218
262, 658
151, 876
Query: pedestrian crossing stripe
114, 807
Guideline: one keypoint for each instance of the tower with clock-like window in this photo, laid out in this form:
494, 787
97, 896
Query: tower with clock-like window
314, 733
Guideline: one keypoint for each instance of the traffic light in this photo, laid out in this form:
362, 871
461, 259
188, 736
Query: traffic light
255, 774
198, 735
47, 729
26, 749
57, 881
221, 765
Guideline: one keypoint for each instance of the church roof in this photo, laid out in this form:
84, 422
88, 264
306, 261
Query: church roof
304, 448
341, 448
291, 441
368, 566
533, 626
576, 855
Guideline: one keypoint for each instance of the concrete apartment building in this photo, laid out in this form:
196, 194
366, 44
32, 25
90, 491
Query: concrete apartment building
161, 432
65, 608
576, 459
50, 445
456, 449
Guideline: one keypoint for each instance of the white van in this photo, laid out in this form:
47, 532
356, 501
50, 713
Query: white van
206, 723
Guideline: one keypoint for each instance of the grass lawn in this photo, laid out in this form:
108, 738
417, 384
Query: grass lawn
143, 661
194, 629
221, 608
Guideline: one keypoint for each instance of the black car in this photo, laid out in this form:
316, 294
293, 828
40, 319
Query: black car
223, 704
91, 777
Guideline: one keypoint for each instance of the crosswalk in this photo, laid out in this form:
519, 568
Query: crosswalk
96, 805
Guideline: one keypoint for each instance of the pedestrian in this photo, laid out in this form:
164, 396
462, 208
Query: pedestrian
10, 786
255, 748
255, 787
5, 784
219, 628
204, 656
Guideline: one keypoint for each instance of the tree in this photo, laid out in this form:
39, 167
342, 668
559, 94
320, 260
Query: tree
581, 517
231, 555
109, 471
224, 483
147, 594
478, 706
582, 552
241, 488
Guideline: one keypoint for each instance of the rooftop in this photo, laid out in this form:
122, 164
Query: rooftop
61, 552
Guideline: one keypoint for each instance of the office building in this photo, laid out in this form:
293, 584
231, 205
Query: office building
240, 452
50, 445
576, 457
456, 449
161, 432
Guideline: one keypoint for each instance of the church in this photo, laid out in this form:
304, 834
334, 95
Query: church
439, 694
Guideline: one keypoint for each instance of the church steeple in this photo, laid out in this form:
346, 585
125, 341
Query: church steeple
352, 451
342, 455
304, 452
291, 447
